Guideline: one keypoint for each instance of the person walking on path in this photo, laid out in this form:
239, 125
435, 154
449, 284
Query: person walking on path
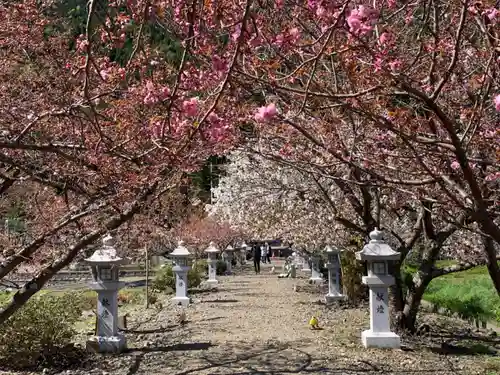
256, 258
268, 252
263, 254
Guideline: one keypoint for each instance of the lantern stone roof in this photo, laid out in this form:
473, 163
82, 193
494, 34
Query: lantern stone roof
230, 248
377, 249
106, 254
180, 250
332, 249
212, 248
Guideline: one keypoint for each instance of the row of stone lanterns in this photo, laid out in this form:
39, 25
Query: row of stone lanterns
105, 264
377, 254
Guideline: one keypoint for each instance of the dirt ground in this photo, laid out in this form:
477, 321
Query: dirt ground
257, 324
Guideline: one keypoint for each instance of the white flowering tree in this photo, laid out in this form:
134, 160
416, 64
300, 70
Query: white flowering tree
272, 200
271, 197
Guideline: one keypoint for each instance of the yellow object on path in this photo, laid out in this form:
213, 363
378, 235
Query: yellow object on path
313, 322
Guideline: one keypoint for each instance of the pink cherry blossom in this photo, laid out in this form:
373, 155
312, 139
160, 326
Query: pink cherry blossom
122, 73
280, 39
497, 102
493, 177
190, 106
294, 34
105, 74
386, 38
150, 86
362, 20
82, 44
236, 34
455, 165
265, 114
150, 99
164, 93
320, 12
378, 64
395, 65
391, 4
493, 14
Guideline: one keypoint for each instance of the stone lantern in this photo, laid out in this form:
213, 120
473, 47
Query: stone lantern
212, 252
299, 260
333, 266
316, 276
243, 253
104, 264
180, 257
306, 266
229, 252
377, 253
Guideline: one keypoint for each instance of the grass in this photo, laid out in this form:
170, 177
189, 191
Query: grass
470, 294
126, 296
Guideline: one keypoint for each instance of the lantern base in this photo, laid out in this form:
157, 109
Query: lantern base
387, 340
330, 298
316, 280
100, 344
183, 301
212, 282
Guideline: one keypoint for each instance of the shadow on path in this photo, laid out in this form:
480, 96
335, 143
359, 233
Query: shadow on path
137, 360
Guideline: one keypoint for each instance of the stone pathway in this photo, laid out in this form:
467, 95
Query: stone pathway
257, 324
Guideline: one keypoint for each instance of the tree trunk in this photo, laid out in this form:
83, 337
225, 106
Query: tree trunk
412, 304
416, 291
396, 290
493, 268
37, 283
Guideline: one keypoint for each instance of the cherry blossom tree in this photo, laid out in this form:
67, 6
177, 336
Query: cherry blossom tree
272, 201
96, 111
110, 104
387, 90
198, 231
274, 197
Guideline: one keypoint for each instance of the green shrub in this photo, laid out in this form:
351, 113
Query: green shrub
221, 267
36, 333
352, 273
4, 297
201, 265
165, 278
469, 294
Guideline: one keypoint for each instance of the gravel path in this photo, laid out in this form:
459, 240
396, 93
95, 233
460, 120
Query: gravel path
257, 324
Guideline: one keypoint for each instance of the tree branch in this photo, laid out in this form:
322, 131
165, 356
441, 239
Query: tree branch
37, 282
